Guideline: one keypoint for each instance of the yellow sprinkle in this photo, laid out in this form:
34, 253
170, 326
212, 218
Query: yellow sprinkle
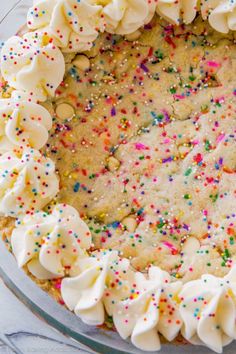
74, 175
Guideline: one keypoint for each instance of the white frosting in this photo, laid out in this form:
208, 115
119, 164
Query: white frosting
19, 95
177, 11
126, 16
23, 123
208, 310
73, 24
50, 244
207, 6
151, 308
220, 13
32, 64
103, 280
223, 17
27, 182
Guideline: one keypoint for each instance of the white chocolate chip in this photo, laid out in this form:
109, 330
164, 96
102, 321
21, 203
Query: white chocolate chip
113, 163
191, 246
133, 36
82, 62
64, 111
130, 223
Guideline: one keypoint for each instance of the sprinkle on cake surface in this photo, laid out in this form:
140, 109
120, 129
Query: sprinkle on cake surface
150, 147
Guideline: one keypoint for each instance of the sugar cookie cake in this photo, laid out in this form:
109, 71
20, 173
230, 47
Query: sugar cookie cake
118, 162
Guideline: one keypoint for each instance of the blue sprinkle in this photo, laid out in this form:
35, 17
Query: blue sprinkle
76, 187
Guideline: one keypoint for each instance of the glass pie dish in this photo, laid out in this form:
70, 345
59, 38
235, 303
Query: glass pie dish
99, 339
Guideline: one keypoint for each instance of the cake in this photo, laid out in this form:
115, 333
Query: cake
118, 163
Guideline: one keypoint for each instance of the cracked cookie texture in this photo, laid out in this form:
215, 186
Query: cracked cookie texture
148, 153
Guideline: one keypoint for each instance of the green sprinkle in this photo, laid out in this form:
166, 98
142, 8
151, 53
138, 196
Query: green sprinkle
192, 78
188, 171
214, 197
207, 145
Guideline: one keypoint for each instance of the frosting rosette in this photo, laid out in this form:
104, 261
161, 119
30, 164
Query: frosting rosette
19, 95
27, 182
152, 307
32, 64
208, 310
51, 243
73, 24
207, 6
23, 124
178, 11
126, 16
222, 15
102, 282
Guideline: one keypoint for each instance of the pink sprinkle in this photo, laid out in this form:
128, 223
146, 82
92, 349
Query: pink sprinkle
170, 246
179, 97
167, 141
58, 284
220, 99
140, 146
220, 138
213, 64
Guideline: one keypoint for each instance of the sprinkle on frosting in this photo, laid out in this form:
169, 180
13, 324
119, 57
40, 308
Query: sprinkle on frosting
102, 282
23, 124
177, 11
51, 244
150, 308
27, 182
73, 24
32, 64
208, 310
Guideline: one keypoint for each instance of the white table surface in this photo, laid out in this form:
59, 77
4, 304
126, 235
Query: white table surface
22, 332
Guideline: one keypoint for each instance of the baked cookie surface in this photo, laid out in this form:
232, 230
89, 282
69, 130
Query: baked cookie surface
145, 151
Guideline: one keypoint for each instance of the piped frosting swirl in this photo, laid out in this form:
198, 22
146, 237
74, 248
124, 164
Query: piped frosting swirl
23, 124
73, 24
27, 182
50, 244
32, 64
208, 310
102, 282
178, 11
151, 308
